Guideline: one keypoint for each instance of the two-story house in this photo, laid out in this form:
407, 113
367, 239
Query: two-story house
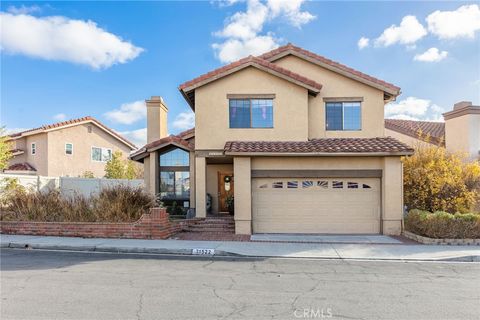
460, 133
68, 148
295, 139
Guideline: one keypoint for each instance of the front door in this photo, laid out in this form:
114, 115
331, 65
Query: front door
225, 191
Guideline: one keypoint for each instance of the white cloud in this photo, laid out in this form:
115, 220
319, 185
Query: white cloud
138, 137
184, 121
225, 3
431, 55
460, 23
14, 130
128, 113
363, 43
64, 39
413, 108
408, 32
234, 49
60, 117
24, 9
290, 9
243, 30
245, 25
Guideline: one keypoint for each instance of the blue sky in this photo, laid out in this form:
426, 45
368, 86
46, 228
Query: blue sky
62, 60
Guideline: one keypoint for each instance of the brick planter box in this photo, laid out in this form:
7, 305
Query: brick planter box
426, 240
153, 225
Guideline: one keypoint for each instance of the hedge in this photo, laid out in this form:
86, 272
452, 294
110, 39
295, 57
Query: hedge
443, 225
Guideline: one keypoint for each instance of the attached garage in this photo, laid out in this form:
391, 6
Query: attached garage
316, 205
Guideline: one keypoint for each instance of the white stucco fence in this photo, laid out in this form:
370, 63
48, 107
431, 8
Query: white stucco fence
69, 186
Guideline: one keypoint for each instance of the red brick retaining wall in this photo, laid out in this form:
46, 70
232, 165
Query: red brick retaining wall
153, 225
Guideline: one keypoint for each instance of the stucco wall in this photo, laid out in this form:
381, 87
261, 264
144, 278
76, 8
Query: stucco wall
290, 109
40, 158
316, 163
61, 164
462, 134
336, 85
243, 195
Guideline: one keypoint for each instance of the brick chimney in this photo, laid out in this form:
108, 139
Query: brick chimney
157, 112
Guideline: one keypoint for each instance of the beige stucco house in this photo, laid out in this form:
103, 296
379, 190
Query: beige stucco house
296, 140
68, 148
460, 132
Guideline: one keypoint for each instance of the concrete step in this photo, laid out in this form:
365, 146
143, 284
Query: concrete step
219, 226
232, 230
215, 223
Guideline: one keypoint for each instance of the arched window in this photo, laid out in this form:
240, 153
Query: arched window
174, 158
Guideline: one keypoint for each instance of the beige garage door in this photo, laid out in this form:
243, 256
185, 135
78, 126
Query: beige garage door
294, 205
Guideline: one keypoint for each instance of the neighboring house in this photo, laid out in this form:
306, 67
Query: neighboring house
416, 133
459, 133
68, 148
297, 139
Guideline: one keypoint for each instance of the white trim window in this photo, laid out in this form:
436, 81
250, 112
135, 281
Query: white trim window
69, 148
101, 154
33, 148
343, 116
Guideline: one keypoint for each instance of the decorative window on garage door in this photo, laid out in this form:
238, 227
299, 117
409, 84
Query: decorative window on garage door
322, 184
292, 184
307, 184
277, 185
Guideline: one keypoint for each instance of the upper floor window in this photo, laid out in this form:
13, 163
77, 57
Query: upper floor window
33, 149
101, 154
346, 116
68, 148
251, 113
175, 158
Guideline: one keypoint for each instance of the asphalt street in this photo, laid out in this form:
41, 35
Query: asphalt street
73, 285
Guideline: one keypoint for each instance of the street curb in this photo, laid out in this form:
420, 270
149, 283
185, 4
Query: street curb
218, 253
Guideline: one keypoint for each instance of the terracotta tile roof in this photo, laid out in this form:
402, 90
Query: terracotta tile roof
25, 166
327, 145
158, 144
271, 54
72, 122
429, 131
251, 61
169, 140
187, 133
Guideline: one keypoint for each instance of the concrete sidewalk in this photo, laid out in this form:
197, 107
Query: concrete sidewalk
251, 249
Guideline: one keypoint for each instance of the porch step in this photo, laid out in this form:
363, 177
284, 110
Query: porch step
210, 229
213, 224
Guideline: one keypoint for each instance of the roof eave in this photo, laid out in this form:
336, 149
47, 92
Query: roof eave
145, 152
311, 89
285, 53
185, 96
321, 154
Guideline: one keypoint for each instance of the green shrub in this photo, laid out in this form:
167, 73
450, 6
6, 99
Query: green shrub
443, 225
115, 204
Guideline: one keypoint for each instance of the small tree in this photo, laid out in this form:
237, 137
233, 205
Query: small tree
435, 180
87, 174
5, 150
120, 168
